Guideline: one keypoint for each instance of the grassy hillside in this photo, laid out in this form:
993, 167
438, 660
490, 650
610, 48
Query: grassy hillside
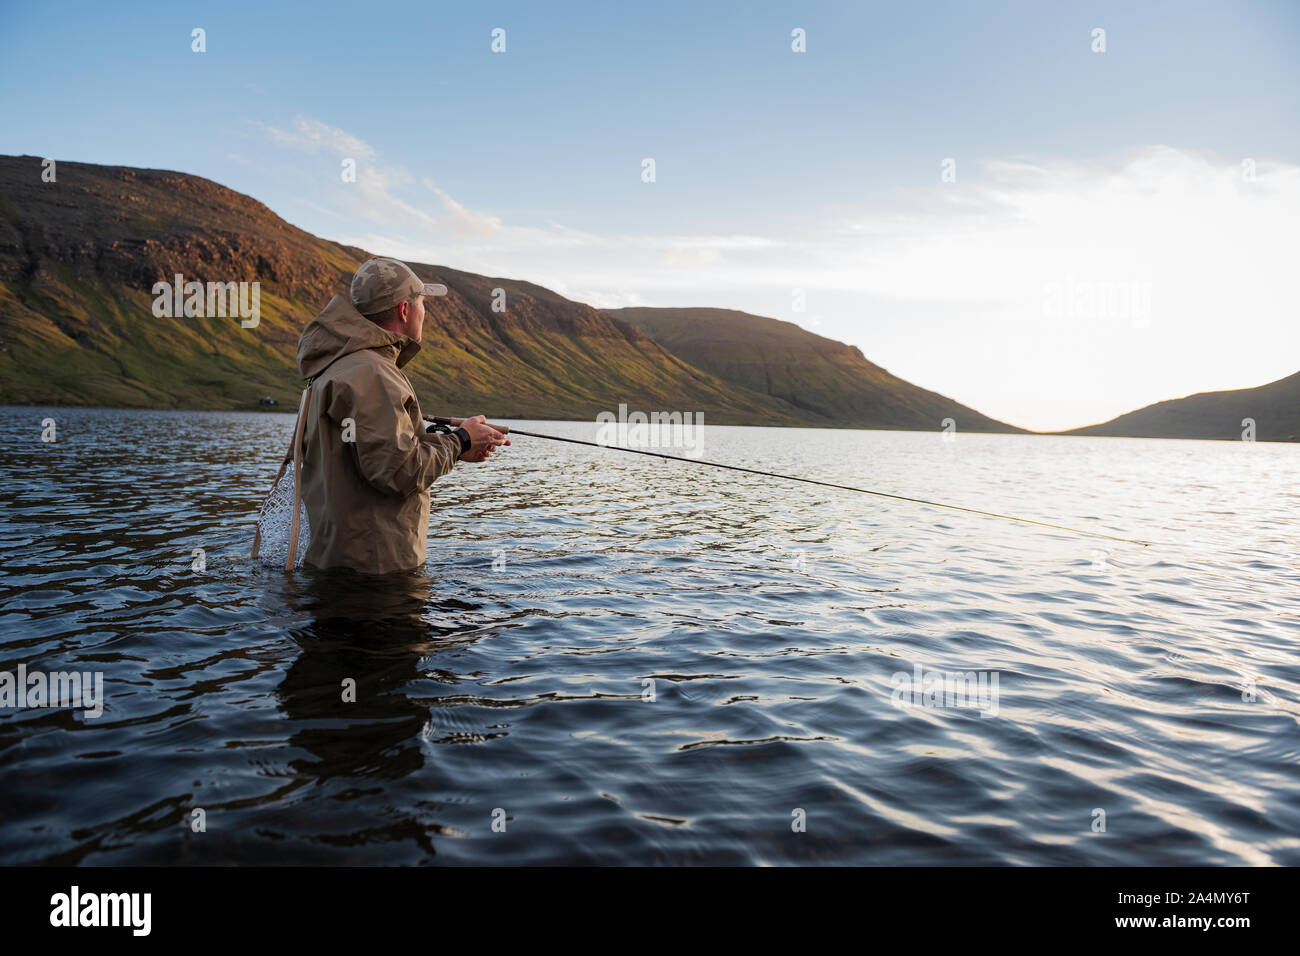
79, 257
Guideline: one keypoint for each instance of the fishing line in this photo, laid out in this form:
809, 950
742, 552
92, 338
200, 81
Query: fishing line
505, 429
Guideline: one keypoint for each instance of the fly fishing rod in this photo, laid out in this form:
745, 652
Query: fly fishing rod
507, 430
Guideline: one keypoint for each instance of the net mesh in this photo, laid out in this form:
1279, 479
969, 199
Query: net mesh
275, 523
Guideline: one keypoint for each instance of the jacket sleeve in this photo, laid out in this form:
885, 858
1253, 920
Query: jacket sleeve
392, 455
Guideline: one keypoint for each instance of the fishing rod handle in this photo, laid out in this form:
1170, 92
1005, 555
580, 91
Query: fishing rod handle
456, 422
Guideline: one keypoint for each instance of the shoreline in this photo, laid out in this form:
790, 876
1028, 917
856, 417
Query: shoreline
1024, 433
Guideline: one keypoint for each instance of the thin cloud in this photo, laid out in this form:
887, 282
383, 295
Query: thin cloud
370, 195
309, 133
465, 220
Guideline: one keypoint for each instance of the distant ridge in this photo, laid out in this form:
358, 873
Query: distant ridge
828, 382
1274, 408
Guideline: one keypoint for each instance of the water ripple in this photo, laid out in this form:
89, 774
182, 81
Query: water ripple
610, 659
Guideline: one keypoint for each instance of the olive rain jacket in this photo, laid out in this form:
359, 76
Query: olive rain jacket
367, 499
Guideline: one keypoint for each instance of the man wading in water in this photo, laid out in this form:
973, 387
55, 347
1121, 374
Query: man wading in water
367, 462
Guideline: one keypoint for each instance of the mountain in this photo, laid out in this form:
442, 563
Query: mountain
828, 382
1274, 408
79, 258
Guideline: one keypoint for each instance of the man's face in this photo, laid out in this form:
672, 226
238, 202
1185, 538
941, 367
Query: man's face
415, 318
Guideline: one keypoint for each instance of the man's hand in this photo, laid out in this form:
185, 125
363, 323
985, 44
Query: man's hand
484, 440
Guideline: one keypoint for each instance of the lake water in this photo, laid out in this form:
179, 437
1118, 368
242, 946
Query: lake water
616, 659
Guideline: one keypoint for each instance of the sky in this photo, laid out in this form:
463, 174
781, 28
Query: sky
991, 200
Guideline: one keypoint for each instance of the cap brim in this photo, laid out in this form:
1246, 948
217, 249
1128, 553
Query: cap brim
433, 288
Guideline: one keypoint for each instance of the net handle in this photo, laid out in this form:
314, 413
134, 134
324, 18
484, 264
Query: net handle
291, 558
291, 455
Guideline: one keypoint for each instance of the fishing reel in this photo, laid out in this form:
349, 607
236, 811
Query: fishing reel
445, 427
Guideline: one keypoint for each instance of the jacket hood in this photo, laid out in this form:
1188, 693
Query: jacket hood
340, 330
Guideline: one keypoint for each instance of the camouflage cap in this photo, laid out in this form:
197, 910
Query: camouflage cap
381, 283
